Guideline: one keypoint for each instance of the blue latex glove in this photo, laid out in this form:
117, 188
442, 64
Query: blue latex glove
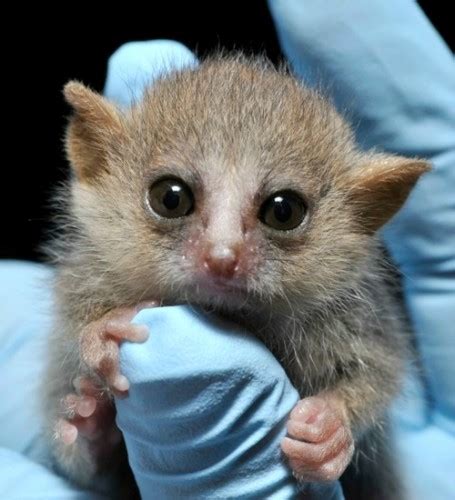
388, 68
206, 410
137, 64
25, 312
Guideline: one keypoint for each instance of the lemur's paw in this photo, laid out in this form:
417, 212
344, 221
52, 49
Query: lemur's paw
99, 346
319, 444
88, 413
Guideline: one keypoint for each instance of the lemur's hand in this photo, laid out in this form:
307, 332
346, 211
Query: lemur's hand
319, 445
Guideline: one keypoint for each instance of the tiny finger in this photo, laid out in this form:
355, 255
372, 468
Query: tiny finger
86, 406
66, 432
122, 330
120, 383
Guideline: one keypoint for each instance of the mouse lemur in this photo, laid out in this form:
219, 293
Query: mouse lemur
234, 187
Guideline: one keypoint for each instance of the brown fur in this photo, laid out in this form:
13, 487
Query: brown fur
235, 130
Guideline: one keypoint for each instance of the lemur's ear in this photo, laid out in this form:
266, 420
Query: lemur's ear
94, 126
379, 188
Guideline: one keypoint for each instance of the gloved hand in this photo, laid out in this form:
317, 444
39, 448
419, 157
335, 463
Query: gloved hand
206, 410
25, 312
392, 75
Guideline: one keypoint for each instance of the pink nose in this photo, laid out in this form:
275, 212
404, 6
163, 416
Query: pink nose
222, 261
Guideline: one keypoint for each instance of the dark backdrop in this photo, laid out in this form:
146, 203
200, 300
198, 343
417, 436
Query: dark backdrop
46, 47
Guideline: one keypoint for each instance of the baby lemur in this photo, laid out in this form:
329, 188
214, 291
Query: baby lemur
233, 187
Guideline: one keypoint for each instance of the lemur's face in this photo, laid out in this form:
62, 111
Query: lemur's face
229, 185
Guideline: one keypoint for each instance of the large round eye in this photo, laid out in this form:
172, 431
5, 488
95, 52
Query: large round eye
171, 198
284, 211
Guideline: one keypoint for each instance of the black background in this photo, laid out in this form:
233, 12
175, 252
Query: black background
47, 46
